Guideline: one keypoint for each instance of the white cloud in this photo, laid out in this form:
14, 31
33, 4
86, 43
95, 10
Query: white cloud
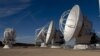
14, 1
10, 9
99, 8
24, 0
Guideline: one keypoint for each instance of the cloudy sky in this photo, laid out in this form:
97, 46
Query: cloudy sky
27, 15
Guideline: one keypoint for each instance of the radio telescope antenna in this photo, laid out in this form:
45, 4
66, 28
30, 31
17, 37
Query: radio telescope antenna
39, 32
50, 32
51, 37
40, 35
72, 25
9, 37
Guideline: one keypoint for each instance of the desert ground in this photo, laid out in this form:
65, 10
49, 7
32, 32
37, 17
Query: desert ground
36, 51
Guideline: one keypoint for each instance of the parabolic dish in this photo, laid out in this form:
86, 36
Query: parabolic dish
50, 32
9, 32
9, 36
73, 23
40, 33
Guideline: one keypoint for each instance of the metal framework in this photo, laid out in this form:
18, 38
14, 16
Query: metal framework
62, 20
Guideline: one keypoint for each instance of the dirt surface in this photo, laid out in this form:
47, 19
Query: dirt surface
47, 52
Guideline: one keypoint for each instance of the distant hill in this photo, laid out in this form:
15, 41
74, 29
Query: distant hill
23, 44
1, 43
19, 44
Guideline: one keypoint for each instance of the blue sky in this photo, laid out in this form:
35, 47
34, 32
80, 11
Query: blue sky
27, 15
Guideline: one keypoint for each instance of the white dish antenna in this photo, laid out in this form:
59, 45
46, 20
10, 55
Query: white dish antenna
45, 34
9, 37
40, 33
50, 32
40, 36
73, 23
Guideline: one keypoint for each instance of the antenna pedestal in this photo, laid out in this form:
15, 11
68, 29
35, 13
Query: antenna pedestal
97, 45
53, 46
7, 46
80, 46
70, 43
43, 45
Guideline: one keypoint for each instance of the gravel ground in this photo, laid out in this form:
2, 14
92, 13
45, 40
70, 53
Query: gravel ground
32, 51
